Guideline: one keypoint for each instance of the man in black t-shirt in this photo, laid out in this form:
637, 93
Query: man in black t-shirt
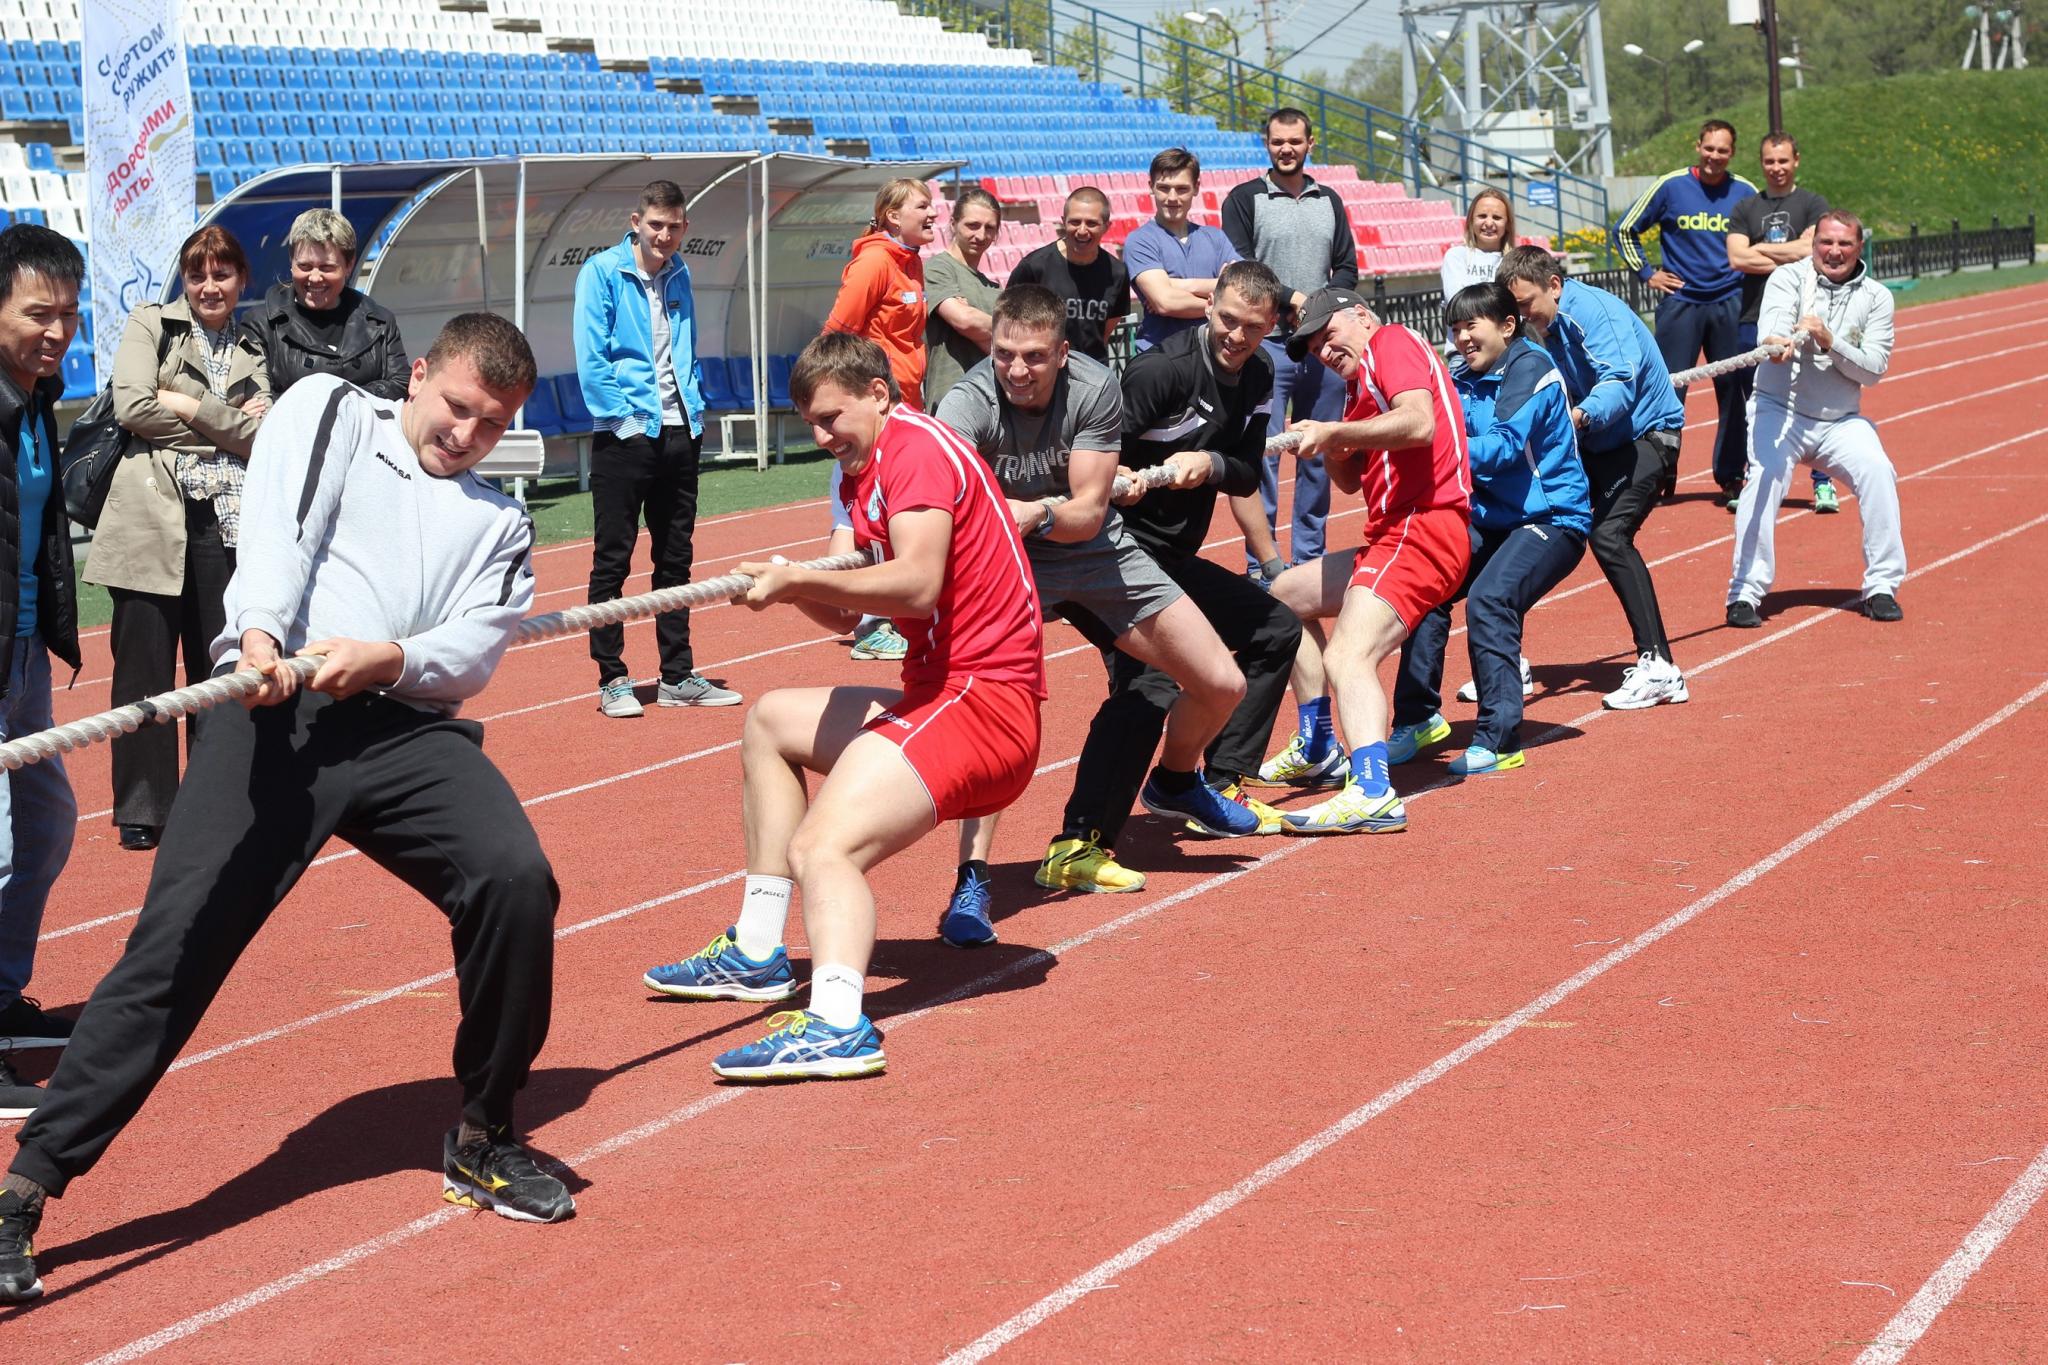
1198, 402
1765, 231
1092, 283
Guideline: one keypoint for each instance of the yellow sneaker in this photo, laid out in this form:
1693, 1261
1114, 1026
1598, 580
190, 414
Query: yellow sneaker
1085, 865
1271, 821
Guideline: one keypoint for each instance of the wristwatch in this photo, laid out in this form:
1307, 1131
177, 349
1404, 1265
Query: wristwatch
1045, 522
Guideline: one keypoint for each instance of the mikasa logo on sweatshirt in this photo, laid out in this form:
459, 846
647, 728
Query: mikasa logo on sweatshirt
386, 461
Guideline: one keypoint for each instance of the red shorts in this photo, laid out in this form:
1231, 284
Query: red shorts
1415, 563
972, 741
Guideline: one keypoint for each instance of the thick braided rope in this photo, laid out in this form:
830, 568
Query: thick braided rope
186, 701
1715, 369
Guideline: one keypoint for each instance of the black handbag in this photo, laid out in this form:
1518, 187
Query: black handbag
94, 450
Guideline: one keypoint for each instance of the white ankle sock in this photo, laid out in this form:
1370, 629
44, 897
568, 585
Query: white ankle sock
764, 910
835, 994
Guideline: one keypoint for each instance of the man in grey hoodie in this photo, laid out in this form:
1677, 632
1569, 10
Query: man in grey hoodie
1806, 411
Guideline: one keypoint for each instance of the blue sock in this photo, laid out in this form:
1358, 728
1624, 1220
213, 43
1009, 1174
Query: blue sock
1369, 769
1316, 733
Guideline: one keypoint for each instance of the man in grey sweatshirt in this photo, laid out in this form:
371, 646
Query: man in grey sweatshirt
1807, 411
365, 540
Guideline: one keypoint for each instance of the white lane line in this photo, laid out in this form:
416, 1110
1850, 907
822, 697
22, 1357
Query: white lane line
705, 1104
1910, 1323
1225, 1200
1904, 375
721, 520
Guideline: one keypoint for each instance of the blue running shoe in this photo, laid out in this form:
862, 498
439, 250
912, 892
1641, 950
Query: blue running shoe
1207, 810
803, 1047
1479, 761
722, 972
966, 923
1409, 740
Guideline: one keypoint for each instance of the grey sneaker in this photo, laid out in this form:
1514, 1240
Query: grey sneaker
696, 691
616, 699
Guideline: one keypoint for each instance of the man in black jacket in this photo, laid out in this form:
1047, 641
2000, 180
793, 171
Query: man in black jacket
39, 280
1198, 402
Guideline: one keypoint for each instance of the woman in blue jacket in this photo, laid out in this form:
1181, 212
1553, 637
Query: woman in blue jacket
1531, 512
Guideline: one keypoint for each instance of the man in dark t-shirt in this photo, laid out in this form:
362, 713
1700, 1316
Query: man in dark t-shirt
1093, 284
1766, 231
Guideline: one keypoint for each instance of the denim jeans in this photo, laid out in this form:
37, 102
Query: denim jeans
38, 817
1303, 390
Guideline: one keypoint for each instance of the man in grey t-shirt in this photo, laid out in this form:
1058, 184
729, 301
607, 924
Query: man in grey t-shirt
1050, 424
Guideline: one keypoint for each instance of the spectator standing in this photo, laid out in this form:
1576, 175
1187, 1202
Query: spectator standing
1298, 230
316, 324
1808, 410
40, 273
1489, 230
958, 298
1701, 306
191, 388
636, 361
1173, 262
1093, 284
1771, 228
881, 291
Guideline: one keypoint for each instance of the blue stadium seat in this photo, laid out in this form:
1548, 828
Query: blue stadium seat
741, 369
569, 399
718, 392
78, 374
779, 367
543, 410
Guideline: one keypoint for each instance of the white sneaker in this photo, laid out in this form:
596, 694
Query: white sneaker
1651, 681
1470, 691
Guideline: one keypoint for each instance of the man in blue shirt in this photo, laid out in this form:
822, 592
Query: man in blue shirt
1173, 262
40, 273
1628, 420
1701, 309
636, 360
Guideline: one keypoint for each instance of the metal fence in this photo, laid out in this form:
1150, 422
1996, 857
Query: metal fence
1150, 63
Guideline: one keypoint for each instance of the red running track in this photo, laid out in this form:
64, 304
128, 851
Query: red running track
1698, 1037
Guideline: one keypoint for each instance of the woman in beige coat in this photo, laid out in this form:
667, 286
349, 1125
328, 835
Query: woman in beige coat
191, 388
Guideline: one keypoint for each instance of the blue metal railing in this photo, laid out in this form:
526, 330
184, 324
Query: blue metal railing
1152, 64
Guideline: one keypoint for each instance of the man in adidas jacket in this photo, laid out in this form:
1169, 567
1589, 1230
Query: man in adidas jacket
1806, 411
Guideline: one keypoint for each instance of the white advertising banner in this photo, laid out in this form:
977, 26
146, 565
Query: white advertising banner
139, 157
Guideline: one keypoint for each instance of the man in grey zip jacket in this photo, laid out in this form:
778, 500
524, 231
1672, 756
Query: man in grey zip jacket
1806, 411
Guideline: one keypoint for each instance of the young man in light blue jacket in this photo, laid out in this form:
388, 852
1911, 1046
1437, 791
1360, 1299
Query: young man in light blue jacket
636, 360
1628, 419
1531, 513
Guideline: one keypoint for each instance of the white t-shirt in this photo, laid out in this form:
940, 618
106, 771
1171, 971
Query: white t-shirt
1465, 266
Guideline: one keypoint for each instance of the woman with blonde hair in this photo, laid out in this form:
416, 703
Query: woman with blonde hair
191, 389
881, 291
1489, 230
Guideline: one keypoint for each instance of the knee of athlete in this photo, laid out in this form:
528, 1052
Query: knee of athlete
525, 883
1609, 539
813, 847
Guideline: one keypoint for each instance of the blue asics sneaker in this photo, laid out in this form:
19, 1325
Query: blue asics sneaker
1409, 740
802, 1047
1292, 767
1205, 809
966, 923
722, 972
1479, 761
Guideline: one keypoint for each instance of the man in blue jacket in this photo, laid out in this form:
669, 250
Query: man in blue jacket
1628, 420
1531, 513
1701, 309
636, 360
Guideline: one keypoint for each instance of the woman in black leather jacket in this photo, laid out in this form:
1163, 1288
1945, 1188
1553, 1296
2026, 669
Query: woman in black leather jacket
316, 324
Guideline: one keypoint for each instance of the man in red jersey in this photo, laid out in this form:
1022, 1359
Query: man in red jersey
958, 740
1401, 446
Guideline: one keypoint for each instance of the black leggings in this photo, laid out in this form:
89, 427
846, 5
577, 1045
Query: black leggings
1625, 481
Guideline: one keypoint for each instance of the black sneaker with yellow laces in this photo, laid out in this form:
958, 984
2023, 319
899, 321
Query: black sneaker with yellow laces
19, 1220
494, 1172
